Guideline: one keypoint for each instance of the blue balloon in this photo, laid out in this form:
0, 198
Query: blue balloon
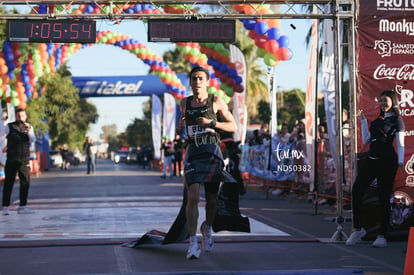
137, 8
239, 80
233, 73
273, 34
261, 27
283, 41
11, 66
25, 79
89, 9
249, 24
27, 86
224, 68
28, 94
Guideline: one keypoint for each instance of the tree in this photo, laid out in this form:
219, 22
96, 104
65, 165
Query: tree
139, 131
60, 111
176, 61
256, 86
290, 112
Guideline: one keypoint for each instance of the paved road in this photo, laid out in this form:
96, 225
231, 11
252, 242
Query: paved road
81, 222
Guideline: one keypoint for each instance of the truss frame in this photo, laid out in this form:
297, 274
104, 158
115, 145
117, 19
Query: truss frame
293, 9
341, 11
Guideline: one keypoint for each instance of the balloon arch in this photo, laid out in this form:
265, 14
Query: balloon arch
45, 58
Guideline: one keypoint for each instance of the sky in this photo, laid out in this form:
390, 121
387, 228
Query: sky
107, 60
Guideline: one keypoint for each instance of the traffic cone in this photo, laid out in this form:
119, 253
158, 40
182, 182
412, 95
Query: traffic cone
409, 264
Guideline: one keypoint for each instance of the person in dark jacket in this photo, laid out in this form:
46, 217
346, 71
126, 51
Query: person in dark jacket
20, 136
382, 164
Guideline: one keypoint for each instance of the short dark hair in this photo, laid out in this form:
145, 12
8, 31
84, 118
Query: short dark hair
18, 110
199, 69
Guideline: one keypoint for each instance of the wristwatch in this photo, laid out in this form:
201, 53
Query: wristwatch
213, 124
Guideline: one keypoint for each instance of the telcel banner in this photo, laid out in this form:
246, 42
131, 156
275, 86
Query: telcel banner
99, 86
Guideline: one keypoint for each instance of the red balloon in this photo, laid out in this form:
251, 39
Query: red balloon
239, 88
230, 82
272, 46
260, 41
253, 34
283, 54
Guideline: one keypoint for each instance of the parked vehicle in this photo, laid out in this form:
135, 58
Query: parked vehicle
56, 159
121, 156
132, 156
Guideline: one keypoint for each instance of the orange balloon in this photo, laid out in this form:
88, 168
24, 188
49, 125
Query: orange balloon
3, 69
42, 47
22, 105
248, 9
273, 23
239, 8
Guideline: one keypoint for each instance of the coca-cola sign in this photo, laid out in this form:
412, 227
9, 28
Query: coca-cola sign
403, 73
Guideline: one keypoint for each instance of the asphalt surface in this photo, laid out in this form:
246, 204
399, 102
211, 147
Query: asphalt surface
82, 221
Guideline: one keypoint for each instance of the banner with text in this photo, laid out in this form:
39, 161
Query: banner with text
385, 61
142, 85
156, 125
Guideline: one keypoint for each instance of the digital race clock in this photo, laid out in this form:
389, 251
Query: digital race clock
195, 30
65, 31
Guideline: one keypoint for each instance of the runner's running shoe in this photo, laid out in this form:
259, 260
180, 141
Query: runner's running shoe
24, 210
356, 236
381, 241
207, 243
6, 211
193, 251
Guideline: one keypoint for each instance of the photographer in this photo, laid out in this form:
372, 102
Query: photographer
19, 137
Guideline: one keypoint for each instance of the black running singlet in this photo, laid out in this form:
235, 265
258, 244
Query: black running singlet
196, 132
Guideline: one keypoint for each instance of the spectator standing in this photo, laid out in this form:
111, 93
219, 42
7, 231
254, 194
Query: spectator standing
168, 150
382, 164
178, 155
64, 153
20, 136
90, 153
284, 134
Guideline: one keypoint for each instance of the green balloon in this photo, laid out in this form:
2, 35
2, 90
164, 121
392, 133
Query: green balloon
194, 51
187, 49
15, 101
261, 52
218, 47
270, 60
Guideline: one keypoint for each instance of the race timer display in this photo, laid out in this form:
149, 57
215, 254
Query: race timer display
196, 30
65, 31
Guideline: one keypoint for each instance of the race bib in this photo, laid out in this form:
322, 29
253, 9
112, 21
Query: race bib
195, 130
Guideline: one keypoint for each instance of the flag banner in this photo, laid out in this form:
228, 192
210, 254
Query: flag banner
101, 86
169, 116
228, 218
239, 105
385, 61
311, 103
156, 125
328, 81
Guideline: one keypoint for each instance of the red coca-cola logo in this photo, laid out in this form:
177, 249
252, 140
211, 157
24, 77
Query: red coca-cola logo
405, 72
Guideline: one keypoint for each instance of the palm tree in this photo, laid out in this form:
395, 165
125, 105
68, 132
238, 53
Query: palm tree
256, 84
